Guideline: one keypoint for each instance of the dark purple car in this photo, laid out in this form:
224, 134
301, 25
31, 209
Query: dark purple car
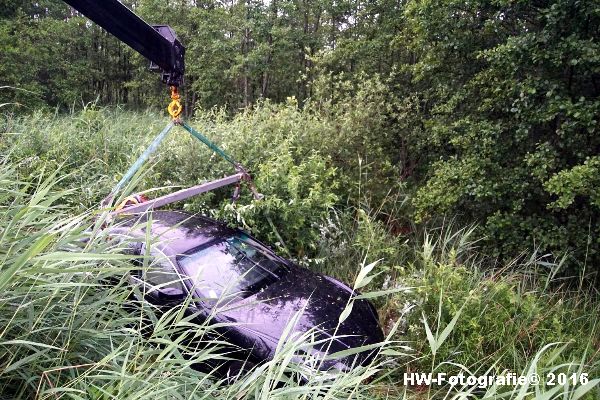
234, 278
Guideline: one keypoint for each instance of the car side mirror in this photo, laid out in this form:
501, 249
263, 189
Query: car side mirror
169, 294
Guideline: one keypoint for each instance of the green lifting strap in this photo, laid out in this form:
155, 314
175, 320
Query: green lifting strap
210, 144
238, 167
154, 145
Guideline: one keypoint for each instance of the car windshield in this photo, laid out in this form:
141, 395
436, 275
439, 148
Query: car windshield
233, 268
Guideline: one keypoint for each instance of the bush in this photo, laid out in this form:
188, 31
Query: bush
507, 134
303, 161
502, 320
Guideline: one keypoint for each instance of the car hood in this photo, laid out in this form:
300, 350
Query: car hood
312, 303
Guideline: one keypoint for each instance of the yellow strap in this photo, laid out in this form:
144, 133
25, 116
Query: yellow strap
130, 201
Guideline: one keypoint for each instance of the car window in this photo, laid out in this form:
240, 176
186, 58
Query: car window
162, 273
233, 268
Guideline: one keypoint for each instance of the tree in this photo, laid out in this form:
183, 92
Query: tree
512, 120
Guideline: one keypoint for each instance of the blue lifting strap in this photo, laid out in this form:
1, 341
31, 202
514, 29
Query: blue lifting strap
241, 173
139, 162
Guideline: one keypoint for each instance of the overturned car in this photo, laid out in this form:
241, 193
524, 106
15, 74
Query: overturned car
237, 282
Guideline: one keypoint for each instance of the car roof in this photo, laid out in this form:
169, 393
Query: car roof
176, 230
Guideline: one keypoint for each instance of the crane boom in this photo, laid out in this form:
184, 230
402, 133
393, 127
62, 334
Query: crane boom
158, 43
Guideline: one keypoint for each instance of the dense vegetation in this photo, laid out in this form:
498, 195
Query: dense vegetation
506, 317
488, 110
455, 142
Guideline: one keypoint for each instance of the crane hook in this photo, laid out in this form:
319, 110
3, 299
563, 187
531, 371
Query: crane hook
175, 108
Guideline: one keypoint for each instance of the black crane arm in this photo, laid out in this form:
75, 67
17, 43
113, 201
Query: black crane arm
158, 43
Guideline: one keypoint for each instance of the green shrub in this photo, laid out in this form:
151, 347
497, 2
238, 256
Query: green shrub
303, 161
297, 199
503, 319
507, 133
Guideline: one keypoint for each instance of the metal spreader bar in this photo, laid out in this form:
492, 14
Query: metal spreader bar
138, 204
180, 195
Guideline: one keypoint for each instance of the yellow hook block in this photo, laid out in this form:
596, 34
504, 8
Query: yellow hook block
175, 108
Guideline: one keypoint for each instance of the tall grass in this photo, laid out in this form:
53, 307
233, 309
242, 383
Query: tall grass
481, 319
66, 330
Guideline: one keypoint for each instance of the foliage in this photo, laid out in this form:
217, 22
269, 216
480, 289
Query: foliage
237, 52
581, 180
497, 321
486, 110
69, 328
511, 119
294, 155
